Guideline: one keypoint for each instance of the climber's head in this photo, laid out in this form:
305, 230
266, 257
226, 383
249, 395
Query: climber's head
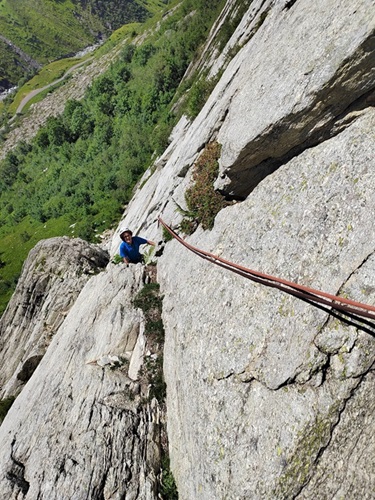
126, 234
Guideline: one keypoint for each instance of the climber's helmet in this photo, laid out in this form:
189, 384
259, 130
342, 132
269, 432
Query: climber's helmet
125, 230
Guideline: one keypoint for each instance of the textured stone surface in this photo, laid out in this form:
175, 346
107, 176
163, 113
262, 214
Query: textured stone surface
260, 384
345, 460
53, 275
257, 380
323, 63
78, 430
299, 94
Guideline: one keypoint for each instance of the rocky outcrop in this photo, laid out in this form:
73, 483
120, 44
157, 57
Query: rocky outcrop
321, 71
27, 60
268, 396
53, 275
93, 432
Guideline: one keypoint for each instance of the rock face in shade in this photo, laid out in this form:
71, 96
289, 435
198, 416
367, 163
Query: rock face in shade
268, 397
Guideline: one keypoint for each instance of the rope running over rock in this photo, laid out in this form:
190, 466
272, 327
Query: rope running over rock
341, 304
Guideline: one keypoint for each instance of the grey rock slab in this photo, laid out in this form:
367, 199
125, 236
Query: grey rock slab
257, 378
289, 87
347, 469
294, 77
75, 431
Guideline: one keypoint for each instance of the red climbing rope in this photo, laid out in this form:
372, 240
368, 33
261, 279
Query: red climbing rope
310, 294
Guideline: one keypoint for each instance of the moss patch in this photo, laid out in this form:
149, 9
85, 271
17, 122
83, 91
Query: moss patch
300, 464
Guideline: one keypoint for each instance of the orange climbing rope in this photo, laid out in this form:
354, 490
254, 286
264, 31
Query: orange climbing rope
341, 304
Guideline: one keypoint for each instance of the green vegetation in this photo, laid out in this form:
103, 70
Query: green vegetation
150, 301
166, 235
12, 68
198, 94
49, 73
168, 485
202, 200
82, 166
5, 404
45, 30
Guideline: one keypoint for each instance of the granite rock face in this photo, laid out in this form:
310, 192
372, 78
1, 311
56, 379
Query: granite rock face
53, 275
261, 385
268, 397
88, 433
310, 65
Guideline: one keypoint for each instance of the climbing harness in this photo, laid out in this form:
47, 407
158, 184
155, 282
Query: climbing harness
346, 306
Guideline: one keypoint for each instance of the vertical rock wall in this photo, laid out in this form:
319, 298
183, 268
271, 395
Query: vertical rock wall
262, 387
268, 396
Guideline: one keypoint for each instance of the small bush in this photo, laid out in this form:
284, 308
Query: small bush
188, 226
117, 259
168, 485
198, 95
203, 202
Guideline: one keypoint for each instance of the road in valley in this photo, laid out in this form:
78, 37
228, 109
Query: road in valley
35, 92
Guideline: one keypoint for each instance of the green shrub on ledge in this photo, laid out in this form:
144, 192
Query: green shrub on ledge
203, 202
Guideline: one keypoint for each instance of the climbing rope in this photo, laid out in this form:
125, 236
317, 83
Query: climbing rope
308, 294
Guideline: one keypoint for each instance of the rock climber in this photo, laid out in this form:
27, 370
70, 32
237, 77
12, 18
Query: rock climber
129, 248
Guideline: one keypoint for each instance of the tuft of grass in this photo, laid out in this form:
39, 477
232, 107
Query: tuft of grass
203, 202
117, 259
167, 235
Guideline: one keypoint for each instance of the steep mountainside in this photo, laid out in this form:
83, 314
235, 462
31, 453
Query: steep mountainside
268, 396
43, 30
92, 135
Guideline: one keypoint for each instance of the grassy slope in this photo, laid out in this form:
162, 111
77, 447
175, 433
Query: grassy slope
42, 28
16, 245
46, 30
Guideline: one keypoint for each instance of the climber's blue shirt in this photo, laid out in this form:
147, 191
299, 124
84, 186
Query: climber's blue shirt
131, 252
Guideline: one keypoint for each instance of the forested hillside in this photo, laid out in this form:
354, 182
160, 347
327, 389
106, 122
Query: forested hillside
45, 30
77, 174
